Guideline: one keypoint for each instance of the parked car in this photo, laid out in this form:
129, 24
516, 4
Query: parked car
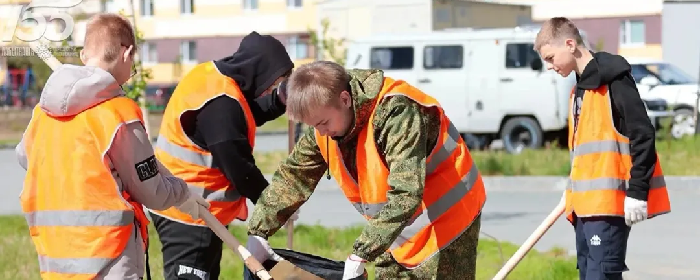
657, 79
658, 111
158, 96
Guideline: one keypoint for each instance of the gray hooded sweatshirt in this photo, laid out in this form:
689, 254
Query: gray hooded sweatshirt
71, 90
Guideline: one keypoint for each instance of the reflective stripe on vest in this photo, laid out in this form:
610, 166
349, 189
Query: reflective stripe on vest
601, 163
438, 156
454, 194
192, 163
604, 146
205, 160
78, 218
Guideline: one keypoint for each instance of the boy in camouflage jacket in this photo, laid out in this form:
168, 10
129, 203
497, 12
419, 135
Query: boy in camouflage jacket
406, 134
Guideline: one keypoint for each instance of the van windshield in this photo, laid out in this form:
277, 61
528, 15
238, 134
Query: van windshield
667, 73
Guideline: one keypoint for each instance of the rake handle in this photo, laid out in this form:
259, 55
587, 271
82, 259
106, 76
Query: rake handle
223, 233
532, 240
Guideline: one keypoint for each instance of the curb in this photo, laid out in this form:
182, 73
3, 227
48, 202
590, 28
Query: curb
534, 183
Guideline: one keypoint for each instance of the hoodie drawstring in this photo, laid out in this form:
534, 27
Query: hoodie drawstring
328, 170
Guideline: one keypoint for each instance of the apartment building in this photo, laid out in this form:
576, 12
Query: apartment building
626, 27
352, 19
181, 33
681, 45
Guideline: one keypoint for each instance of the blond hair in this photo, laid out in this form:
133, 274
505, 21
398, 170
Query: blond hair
556, 30
105, 34
314, 85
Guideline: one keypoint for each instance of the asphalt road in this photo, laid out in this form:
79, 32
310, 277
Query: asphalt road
662, 248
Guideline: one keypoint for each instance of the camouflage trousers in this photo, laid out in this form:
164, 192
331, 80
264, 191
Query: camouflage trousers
456, 261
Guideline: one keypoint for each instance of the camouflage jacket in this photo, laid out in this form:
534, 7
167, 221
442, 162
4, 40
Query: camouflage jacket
405, 133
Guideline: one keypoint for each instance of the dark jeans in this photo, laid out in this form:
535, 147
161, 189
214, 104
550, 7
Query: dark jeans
189, 252
601, 245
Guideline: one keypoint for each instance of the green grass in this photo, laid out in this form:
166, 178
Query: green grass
678, 158
18, 257
280, 124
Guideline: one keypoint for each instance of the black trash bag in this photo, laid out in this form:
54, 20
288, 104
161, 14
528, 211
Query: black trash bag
321, 267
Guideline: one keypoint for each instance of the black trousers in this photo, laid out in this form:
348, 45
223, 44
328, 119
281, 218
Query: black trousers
189, 252
601, 247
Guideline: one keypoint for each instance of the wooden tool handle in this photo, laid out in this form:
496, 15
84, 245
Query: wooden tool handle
531, 241
290, 234
45, 54
223, 233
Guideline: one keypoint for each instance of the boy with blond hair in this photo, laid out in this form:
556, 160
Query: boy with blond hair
616, 178
398, 159
91, 167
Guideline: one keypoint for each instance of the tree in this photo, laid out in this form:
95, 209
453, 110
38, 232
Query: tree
137, 88
600, 44
327, 46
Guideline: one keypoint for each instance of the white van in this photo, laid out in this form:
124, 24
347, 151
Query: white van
491, 82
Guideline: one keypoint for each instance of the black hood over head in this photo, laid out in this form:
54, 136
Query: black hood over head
258, 62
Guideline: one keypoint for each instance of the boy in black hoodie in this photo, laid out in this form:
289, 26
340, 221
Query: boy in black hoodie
205, 139
616, 178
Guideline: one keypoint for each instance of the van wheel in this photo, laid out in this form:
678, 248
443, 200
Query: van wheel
521, 133
476, 142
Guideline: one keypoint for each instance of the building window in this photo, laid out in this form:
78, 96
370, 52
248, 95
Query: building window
443, 57
297, 48
250, 4
149, 53
146, 7
188, 52
186, 6
391, 58
108, 6
520, 55
294, 3
632, 32
442, 15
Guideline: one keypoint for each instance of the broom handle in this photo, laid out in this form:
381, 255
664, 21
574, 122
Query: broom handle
223, 233
530, 242
45, 55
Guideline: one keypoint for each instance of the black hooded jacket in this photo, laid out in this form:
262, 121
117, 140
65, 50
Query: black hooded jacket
221, 126
629, 115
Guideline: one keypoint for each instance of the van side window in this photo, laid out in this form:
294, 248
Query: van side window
520, 55
391, 58
443, 57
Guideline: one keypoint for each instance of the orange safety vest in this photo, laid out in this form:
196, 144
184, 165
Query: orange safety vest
192, 163
79, 220
454, 191
601, 163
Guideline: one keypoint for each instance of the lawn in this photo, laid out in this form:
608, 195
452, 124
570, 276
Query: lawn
18, 258
678, 158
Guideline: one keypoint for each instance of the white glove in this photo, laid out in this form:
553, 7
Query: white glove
191, 205
635, 211
294, 216
260, 249
354, 267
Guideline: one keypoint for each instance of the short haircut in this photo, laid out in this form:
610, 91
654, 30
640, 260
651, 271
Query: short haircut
105, 35
314, 85
556, 30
